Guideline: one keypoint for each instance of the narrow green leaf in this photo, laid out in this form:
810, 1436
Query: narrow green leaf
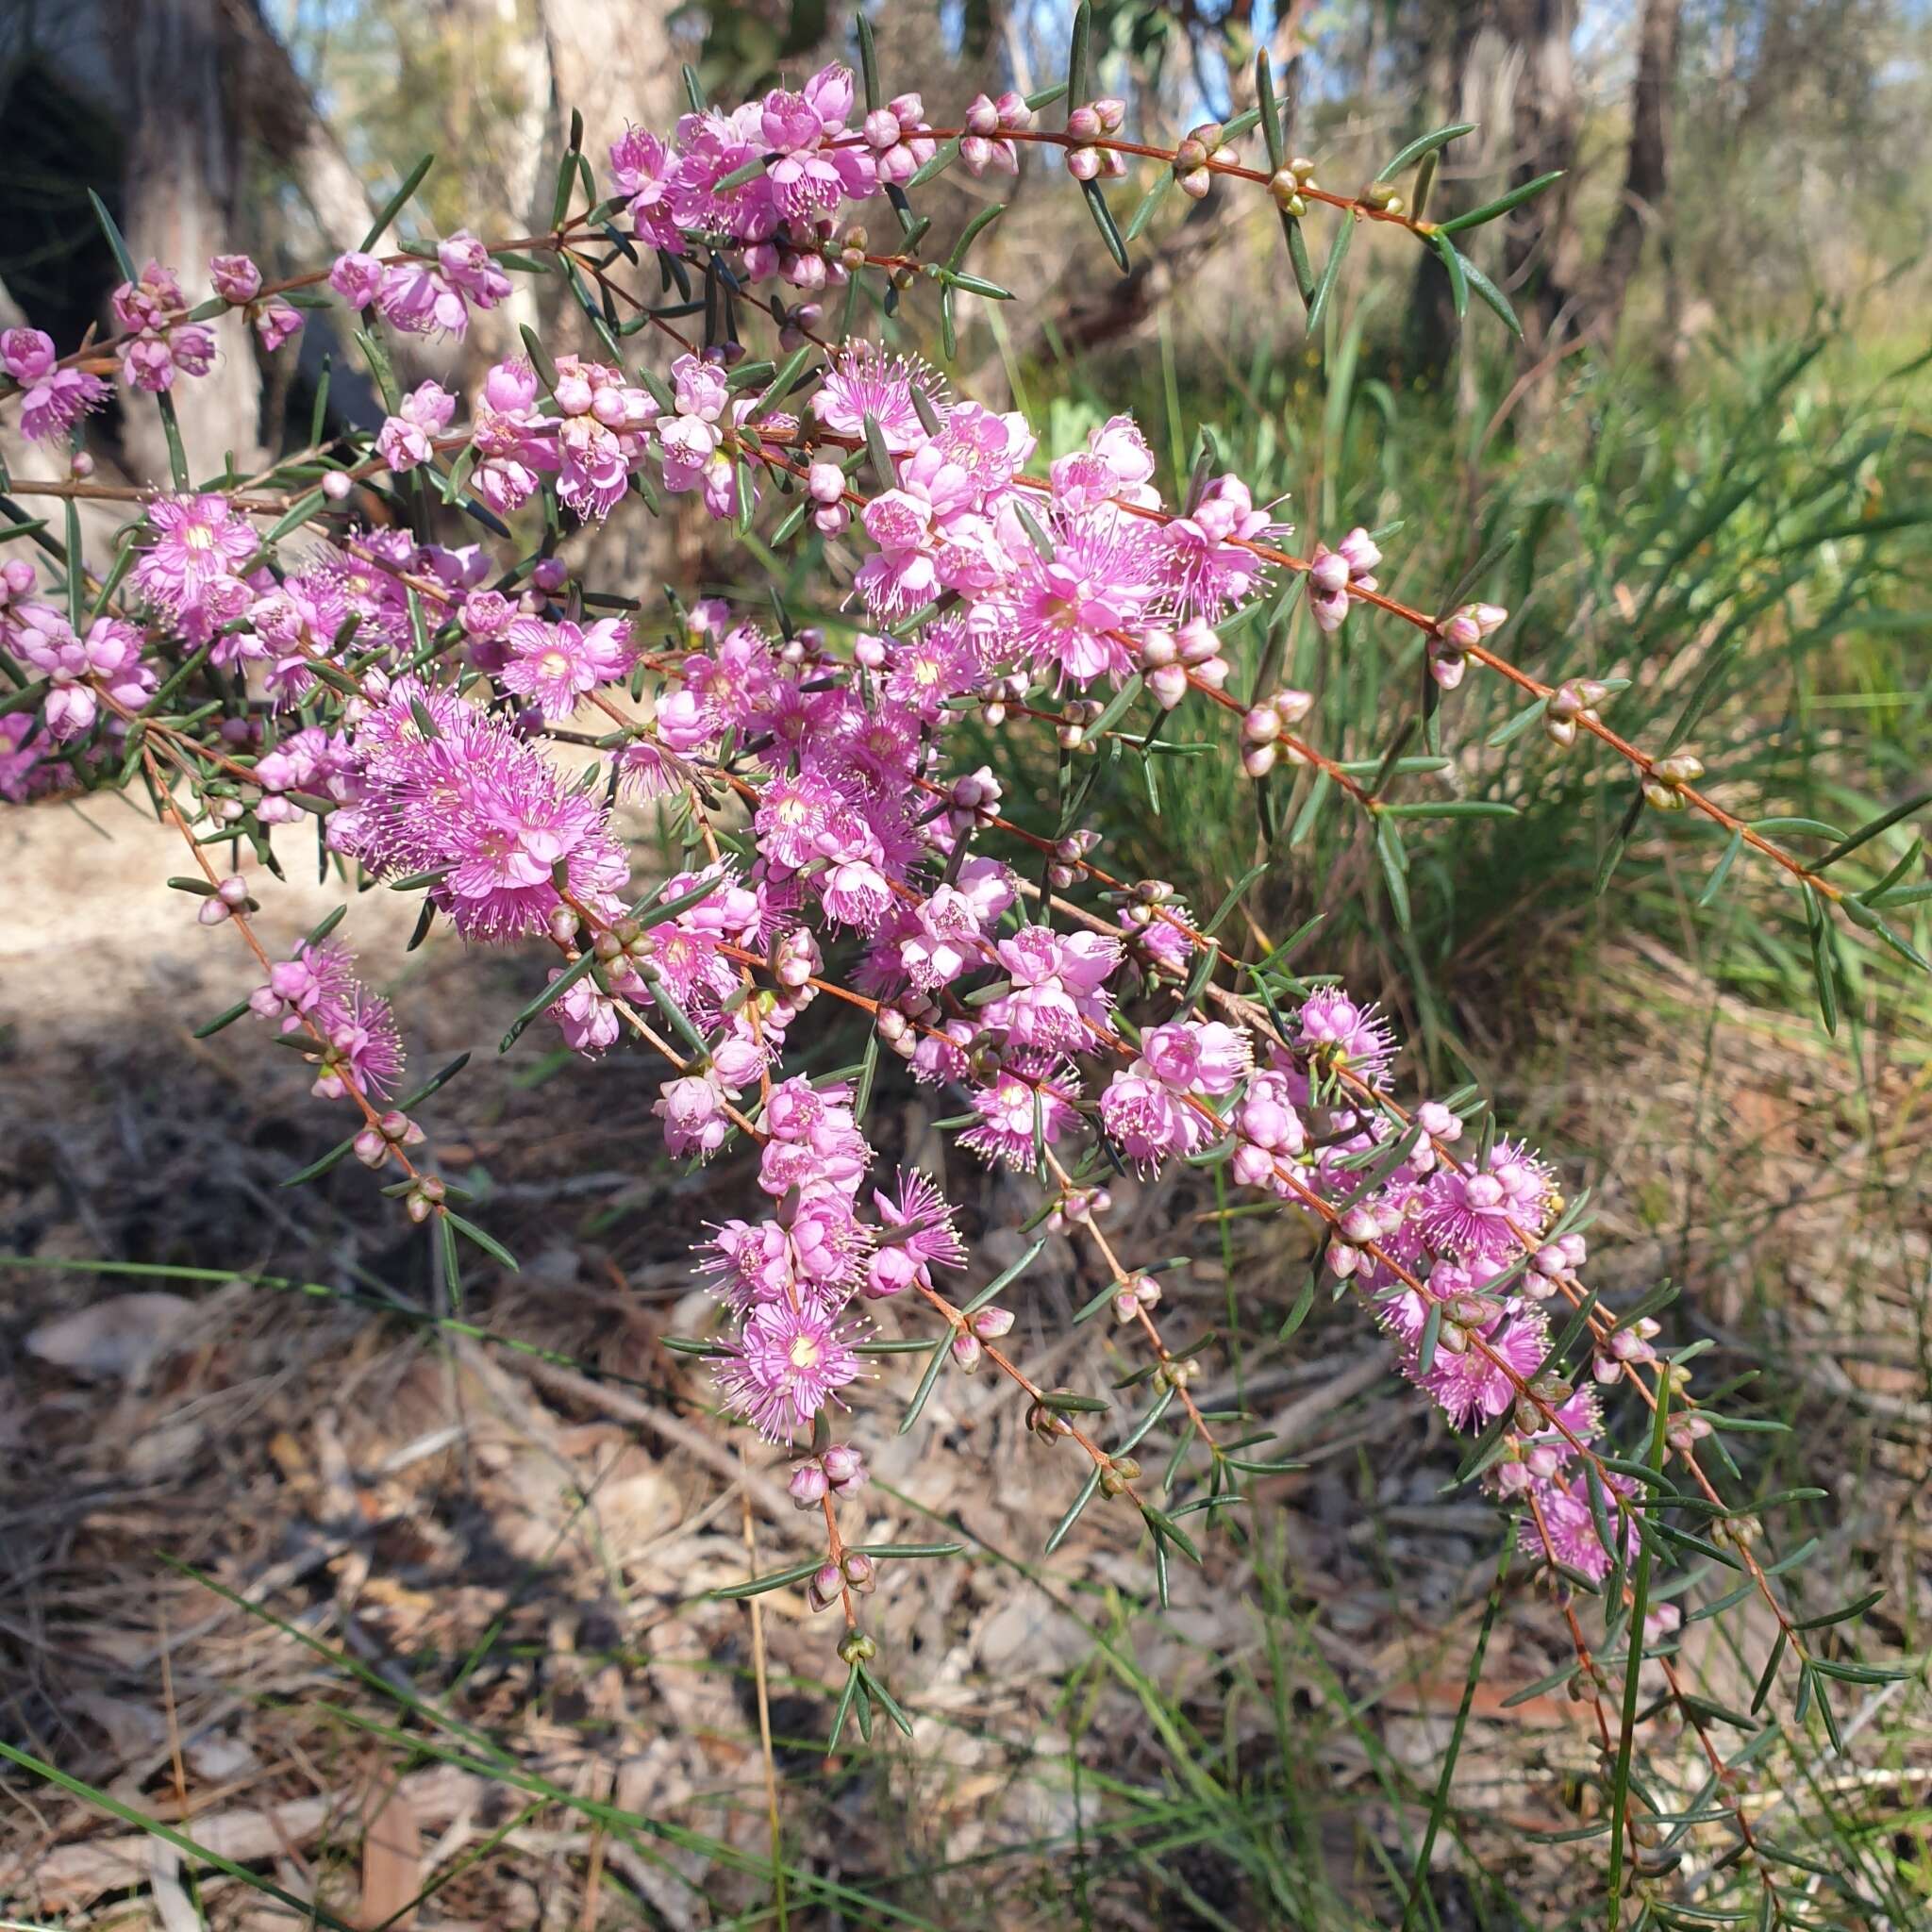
772, 1579
1103, 220
395, 204
488, 1243
934, 1364
1871, 829
221, 1019
578, 967
1459, 278
1424, 144
943, 156
1269, 109
1088, 1489
1438, 1806
306, 1911
1077, 55
1165, 1528
1493, 295
1722, 870
1149, 203
869, 62
1331, 270
883, 465
1501, 205
116, 240
316, 1168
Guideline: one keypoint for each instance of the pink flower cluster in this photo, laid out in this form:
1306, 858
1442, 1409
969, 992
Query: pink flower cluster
55, 398
423, 295
160, 344
81, 666
442, 786
318, 991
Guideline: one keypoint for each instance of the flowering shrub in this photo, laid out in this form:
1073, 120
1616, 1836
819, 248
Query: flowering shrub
304, 646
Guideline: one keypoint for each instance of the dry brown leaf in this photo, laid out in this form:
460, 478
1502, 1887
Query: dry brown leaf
117, 1339
392, 1865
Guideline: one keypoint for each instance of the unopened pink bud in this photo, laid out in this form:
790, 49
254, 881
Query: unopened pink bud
807, 1485
1169, 685
1328, 573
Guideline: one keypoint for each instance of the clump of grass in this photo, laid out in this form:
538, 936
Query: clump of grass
1755, 565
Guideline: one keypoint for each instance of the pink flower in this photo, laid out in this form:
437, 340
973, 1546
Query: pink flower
1562, 1510
357, 278
1207, 562
236, 278
1191, 1056
466, 262
416, 297
26, 353
693, 1110
863, 380
277, 321
1058, 1000
1024, 1101
188, 570
1333, 1031
785, 1365
642, 167
1071, 609
21, 751
554, 665
81, 670
917, 1236
1472, 1388
406, 440
54, 398
1146, 1121
586, 1016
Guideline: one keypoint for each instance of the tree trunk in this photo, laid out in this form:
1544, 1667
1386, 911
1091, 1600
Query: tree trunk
1543, 120
1507, 66
179, 199
1646, 173
272, 102
610, 70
